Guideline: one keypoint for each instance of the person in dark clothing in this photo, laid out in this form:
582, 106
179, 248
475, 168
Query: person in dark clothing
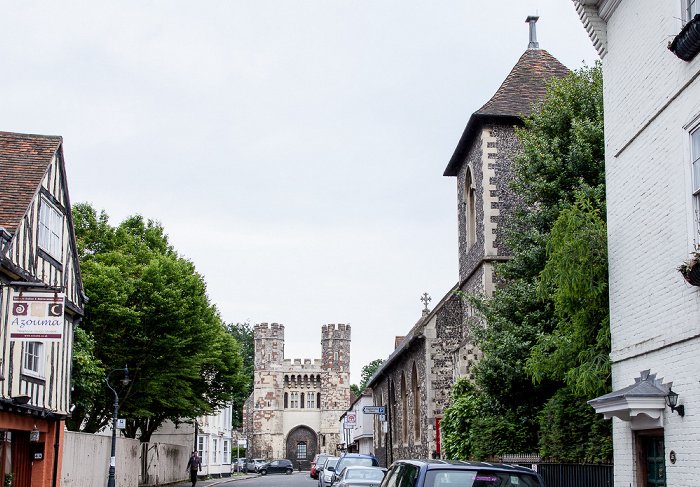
194, 465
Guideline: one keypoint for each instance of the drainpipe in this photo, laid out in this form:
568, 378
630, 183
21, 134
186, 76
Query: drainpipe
56, 445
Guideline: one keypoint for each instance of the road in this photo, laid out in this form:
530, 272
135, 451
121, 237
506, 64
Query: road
297, 479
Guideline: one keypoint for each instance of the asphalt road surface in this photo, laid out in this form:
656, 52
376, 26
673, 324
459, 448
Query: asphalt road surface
297, 479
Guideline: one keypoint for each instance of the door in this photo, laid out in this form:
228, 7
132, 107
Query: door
653, 448
21, 463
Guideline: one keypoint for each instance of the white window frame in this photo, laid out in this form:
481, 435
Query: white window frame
214, 450
227, 455
202, 447
693, 157
690, 8
51, 229
33, 359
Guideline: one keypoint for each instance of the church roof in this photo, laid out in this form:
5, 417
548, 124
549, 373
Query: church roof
24, 160
524, 86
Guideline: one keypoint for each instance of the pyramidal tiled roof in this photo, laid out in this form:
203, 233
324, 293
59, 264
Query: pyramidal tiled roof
23, 162
525, 85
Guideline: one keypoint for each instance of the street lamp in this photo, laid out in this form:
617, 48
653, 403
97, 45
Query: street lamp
112, 460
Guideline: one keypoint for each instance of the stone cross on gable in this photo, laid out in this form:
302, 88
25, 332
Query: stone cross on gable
426, 299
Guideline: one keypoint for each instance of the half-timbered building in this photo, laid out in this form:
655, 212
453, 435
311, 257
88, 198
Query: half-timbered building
41, 301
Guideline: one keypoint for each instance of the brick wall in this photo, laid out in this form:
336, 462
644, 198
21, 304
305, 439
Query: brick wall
649, 97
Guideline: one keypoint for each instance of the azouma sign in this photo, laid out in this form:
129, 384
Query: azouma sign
37, 316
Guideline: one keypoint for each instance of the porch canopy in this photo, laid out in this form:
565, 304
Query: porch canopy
642, 404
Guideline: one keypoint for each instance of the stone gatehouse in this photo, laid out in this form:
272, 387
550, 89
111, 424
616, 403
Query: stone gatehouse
295, 405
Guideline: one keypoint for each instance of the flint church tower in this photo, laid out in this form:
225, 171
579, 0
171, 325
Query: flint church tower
296, 404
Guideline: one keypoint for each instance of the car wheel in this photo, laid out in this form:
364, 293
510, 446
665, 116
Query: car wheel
263, 472
289, 471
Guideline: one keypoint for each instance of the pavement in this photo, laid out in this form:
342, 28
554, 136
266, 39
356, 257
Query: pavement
233, 478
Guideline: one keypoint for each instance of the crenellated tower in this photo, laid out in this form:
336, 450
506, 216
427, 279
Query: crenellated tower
268, 439
335, 358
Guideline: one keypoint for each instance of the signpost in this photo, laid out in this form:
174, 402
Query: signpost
374, 410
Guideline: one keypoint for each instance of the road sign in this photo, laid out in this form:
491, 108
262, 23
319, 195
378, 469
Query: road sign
374, 410
352, 418
121, 424
382, 417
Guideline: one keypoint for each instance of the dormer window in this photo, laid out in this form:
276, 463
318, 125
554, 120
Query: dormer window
51, 230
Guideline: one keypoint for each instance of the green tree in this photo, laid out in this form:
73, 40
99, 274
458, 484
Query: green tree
148, 309
243, 334
367, 373
575, 277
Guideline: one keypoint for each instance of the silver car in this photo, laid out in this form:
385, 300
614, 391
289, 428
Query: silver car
326, 474
355, 476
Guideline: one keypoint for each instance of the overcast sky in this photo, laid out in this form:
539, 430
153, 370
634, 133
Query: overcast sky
293, 150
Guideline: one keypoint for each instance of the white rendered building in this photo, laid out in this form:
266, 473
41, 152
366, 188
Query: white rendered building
652, 145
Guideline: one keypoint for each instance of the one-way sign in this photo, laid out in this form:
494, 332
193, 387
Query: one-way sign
374, 410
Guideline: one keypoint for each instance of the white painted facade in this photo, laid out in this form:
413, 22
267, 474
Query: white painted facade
215, 442
361, 434
652, 104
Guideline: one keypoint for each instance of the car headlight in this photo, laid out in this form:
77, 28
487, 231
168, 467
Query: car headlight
327, 477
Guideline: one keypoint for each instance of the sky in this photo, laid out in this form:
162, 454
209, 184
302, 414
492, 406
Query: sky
293, 150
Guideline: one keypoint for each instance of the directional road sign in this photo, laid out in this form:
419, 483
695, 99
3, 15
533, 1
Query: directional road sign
374, 410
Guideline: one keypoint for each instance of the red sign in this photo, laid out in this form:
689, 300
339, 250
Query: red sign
437, 435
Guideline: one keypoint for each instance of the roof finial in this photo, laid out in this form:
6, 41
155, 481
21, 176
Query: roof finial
532, 20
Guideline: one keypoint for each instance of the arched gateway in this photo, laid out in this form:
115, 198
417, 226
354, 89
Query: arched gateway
302, 446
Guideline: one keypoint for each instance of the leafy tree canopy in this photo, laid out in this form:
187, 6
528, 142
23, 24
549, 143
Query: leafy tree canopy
243, 334
367, 373
148, 309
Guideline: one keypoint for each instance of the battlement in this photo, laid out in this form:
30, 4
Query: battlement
330, 331
296, 365
262, 330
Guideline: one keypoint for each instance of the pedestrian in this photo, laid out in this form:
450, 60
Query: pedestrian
194, 465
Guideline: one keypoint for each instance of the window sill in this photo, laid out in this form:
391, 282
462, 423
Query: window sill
686, 45
33, 377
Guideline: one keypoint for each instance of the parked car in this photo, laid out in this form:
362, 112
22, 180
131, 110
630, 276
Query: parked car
325, 475
276, 466
437, 473
317, 465
355, 476
237, 465
253, 464
359, 459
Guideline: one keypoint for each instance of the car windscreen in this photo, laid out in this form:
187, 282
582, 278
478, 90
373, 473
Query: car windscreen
364, 474
331, 462
479, 478
362, 462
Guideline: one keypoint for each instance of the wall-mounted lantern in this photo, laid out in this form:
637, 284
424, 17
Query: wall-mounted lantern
34, 435
672, 401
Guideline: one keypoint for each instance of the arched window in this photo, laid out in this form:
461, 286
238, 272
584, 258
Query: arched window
470, 208
310, 400
404, 409
286, 398
302, 401
416, 403
318, 400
